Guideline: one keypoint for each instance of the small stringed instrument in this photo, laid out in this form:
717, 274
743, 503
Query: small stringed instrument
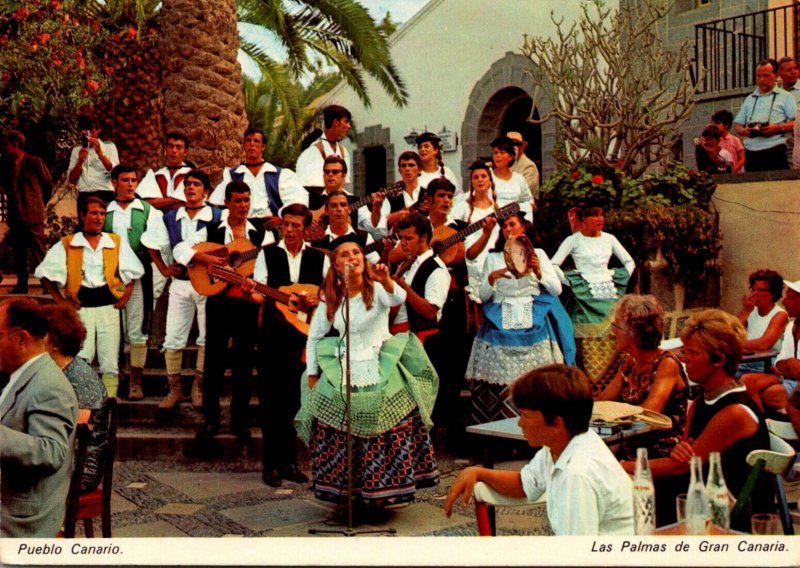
448, 243
286, 297
320, 218
240, 255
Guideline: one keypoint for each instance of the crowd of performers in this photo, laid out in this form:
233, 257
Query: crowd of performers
249, 258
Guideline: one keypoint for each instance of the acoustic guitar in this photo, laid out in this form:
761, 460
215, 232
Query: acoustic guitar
287, 298
448, 243
240, 255
320, 219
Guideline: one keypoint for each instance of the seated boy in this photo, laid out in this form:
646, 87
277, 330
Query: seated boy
588, 492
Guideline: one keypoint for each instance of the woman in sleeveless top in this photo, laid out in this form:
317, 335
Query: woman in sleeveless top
764, 320
648, 376
722, 419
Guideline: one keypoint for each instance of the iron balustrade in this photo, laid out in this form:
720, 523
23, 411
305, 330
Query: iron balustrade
728, 50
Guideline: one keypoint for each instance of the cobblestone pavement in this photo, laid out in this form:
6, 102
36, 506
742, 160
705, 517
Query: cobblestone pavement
220, 499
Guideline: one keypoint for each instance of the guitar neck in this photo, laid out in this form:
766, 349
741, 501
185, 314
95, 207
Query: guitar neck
233, 277
250, 254
391, 190
469, 229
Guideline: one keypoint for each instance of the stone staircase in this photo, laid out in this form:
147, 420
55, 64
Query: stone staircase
147, 433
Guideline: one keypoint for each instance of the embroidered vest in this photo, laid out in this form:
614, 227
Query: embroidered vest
110, 267
271, 180
174, 226
163, 182
138, 226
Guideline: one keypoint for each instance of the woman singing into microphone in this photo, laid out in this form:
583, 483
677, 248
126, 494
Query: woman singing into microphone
393, 383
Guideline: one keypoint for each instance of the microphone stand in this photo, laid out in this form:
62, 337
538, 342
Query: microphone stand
349, 531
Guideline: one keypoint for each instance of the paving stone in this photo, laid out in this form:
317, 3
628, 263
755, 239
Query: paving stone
137, 485
418, 519
157, 528
205, 485
121, 505
179, 509
275, 514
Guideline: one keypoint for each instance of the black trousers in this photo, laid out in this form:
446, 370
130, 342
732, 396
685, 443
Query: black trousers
236, 321
765, 160
280, 368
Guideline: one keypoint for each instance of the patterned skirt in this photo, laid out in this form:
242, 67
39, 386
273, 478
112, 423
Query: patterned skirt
490, 402
388, 467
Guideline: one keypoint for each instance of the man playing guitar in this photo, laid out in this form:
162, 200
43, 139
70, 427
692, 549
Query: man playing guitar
281, 345
232, 317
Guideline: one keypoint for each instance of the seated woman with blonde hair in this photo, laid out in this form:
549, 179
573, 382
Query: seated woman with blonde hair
722, 419
648, 376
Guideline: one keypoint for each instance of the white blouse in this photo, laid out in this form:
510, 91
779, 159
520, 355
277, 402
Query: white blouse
369, 328
591, 256
505, 288
511, 190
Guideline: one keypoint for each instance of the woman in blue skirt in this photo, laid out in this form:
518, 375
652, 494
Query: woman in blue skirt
525, 326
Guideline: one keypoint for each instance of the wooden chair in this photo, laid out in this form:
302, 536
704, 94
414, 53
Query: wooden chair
95, 503
778, 461
486, 499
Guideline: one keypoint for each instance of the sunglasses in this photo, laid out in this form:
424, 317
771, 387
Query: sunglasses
326, 172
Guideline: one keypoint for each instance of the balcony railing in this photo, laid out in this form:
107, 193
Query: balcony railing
728, 50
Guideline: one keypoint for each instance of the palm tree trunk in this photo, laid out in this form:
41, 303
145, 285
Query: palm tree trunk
203, 80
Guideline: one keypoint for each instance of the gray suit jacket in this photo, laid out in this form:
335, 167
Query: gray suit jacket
37, 432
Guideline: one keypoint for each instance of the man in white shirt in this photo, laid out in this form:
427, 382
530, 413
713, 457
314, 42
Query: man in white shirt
90, 164
588, 492
385, 210
426, 280
309, 163
163, 189
129, 218
271, 187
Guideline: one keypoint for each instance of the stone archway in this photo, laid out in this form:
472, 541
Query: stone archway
496, 102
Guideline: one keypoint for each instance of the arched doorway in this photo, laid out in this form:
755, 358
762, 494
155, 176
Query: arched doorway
502, 101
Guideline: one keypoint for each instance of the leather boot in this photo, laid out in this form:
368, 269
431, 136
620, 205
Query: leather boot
197, 390
135, 384
174, 395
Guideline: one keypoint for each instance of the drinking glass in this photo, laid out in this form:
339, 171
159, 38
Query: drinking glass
680, 507
765, 523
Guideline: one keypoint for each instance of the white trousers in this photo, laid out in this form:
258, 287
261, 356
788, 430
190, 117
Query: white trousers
133, 316
184, 301
159, 283
102, 337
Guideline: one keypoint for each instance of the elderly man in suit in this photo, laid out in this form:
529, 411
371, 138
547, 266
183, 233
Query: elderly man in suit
37, 429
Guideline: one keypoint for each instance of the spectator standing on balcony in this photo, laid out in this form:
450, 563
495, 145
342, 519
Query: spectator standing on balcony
711, 157
727, 141
765, 118
789, 73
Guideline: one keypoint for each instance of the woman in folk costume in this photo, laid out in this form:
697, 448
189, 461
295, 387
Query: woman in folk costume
525, 326
591, 289
394, 387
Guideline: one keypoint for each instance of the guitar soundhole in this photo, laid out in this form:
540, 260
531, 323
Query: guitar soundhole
235, 260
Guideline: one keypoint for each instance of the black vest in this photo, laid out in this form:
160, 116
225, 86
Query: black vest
215, 233
398, 202
415, 321
278, 267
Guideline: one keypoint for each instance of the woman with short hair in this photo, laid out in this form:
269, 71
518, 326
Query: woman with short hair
64, 340
647, 376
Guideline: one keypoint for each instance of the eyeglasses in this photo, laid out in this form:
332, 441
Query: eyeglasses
326, 172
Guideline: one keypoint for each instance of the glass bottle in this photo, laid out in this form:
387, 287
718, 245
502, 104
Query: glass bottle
644, 495
696, 501
717, 493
